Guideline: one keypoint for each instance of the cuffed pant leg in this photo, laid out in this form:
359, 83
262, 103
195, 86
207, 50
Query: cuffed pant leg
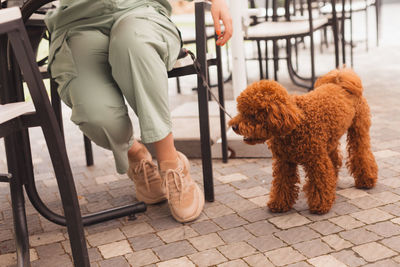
143, 46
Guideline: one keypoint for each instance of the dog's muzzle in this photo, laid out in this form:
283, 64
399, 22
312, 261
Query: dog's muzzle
235, 128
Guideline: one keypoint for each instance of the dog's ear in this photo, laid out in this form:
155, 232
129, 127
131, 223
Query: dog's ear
282, 117
345, 78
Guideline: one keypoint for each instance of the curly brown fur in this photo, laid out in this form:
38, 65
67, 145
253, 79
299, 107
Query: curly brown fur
305, 130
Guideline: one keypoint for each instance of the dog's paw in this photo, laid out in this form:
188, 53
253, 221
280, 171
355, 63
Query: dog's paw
319, 211
278, 207
365, 183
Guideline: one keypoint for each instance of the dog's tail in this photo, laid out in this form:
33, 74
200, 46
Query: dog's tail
345, 78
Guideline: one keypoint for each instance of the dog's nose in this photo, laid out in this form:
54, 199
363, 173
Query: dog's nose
235, 128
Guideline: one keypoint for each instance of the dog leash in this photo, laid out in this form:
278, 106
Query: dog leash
197, 67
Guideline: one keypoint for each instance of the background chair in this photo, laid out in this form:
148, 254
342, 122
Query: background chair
289, 27
15, 117
32, 6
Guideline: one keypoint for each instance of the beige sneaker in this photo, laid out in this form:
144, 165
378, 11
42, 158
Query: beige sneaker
147, 179
185, 199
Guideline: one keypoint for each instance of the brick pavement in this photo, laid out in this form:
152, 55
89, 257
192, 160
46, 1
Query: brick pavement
362, 229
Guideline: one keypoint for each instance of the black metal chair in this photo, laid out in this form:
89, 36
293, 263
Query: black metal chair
32, 6
15, 118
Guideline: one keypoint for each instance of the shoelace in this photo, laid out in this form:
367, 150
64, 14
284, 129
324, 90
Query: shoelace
177, 176
142, 167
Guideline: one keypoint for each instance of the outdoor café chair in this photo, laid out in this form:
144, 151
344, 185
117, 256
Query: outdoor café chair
16, 116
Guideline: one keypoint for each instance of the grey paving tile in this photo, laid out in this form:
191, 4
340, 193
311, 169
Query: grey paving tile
174, 250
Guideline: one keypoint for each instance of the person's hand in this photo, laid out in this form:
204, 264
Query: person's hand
220, 11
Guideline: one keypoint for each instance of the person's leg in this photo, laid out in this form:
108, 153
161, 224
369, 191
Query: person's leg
97, 104
143, 46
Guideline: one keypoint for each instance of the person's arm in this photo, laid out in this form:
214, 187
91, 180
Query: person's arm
220, 12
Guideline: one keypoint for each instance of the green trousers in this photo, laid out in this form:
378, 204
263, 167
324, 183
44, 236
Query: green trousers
120, 53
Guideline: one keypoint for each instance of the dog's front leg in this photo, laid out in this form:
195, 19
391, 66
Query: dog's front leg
285, 190
321, 184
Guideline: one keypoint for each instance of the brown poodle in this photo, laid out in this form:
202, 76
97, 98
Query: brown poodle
305, 130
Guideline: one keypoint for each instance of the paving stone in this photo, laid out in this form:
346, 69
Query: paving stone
229, 221
235, 235
137, 229
396, 220
392, 209
117, 261
105, 237
236, 250
299, 264
397, 259
141, 258
284, 256
255, 215
174, 250
260, 201
312, 248
261, 228
164, 223
386, 197
9, 259
326, 261
366, 202
206, 241
392, 243
59, 261
49, 250
297, 234
232, 178
253, 192
176, 234
373, 251
266, 243
115, 249
385, 229
106, 179
371, 216
359, 236
318, 217
392, 182
325, 227
349, 258
352, 193
347, 222
46, 238
145, 241
258, 260
181, 262
386, 263
335, 242
235, 263
241, 204
217, 211
344, 208
289, 220
205, 227
208, 257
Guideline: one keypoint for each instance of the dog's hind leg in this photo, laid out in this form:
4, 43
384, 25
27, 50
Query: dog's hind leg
285, 190
320, 187
336, 158
361, 162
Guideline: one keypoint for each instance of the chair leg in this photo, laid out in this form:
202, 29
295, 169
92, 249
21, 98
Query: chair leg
55, 144
260, 65
88, 150
275, 59
203, 104
377, 17
266, 60
17, 200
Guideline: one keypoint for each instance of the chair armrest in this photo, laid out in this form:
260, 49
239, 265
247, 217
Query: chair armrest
9, 14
